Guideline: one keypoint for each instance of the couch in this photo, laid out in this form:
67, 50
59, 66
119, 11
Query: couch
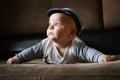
22, 26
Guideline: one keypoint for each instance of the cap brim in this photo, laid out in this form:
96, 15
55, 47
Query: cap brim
55, 10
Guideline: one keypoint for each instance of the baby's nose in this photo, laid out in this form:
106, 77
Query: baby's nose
51, 27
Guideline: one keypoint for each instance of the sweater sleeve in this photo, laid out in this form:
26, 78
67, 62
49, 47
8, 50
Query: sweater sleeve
88, 54
30, 53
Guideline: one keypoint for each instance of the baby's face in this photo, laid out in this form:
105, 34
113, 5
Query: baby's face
60, 27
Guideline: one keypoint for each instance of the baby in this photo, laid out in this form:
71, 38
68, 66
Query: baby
62, 46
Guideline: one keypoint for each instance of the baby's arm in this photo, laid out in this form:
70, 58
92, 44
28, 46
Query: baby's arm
92, 55
26, 55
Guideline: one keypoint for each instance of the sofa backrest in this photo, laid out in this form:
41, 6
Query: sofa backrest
19, 17
111, 13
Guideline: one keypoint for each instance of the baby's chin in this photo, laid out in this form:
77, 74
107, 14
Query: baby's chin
51, 37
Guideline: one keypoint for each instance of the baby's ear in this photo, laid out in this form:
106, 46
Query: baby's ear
73, 31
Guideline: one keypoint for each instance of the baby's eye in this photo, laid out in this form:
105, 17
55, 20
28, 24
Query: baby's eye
57, 24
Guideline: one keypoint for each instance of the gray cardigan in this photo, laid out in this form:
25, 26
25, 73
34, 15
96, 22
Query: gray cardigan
76, 52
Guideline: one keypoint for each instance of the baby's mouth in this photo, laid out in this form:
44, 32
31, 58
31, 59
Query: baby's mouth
50, 33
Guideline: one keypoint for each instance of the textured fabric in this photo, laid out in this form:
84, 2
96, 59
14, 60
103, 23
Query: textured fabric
23, 16
76, 51
111, 13
35, 70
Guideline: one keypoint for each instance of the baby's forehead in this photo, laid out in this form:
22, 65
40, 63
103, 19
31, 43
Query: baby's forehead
62, 18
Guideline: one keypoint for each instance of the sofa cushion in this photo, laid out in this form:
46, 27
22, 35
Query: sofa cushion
107, 41
36, 70
11, 45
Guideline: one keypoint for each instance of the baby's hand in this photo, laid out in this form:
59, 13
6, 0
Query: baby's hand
107, 58
12, 61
